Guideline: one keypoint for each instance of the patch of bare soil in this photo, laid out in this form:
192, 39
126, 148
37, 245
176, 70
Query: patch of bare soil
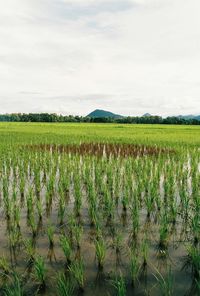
103, 149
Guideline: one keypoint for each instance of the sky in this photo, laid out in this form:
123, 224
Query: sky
126, 56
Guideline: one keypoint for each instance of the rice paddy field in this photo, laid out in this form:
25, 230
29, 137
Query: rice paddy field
99, 209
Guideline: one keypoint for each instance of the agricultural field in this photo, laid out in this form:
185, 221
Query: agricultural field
99, 209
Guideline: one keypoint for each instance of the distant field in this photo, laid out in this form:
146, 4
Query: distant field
170, 135
99, 209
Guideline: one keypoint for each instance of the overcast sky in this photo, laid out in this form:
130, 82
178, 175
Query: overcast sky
126, 56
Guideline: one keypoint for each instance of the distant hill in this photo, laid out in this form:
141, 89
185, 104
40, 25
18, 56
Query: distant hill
98, 113
146, 115
187, 117
102, 113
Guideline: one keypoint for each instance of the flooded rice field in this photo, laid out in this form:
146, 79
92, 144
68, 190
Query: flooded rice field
99, 219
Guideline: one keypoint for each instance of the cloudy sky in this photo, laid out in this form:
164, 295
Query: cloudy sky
126, 56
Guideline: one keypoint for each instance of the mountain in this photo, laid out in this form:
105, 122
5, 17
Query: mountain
146, 115
102, 113
98, 113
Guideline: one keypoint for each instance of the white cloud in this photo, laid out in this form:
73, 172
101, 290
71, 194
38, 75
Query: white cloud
130, 56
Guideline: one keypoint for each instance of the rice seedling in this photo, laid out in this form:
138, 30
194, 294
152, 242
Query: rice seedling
149, 202
108, 208
37, 181
50, 234
77, 232
192, 261
120, 285
164, 235
78, 198
125, 199
166, 284
22, 183
7, 201
77, 271
30, 251
118, 243
144, 251
15, 287
17, 213
100, 248
195, 227
134, 222
29, 203
4, 266
40, 272
61, 208
66, 247
93, 214
64, 181
173, 211
135, 267
39, 208
14, 237
65, 287
33, 225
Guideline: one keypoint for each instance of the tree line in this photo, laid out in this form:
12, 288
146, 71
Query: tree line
52, 117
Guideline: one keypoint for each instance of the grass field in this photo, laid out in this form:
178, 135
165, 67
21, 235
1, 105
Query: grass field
99, 209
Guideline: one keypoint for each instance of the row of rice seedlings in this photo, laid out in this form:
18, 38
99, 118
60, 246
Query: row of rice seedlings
67, 283
49, 188
138, 188
124, 201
